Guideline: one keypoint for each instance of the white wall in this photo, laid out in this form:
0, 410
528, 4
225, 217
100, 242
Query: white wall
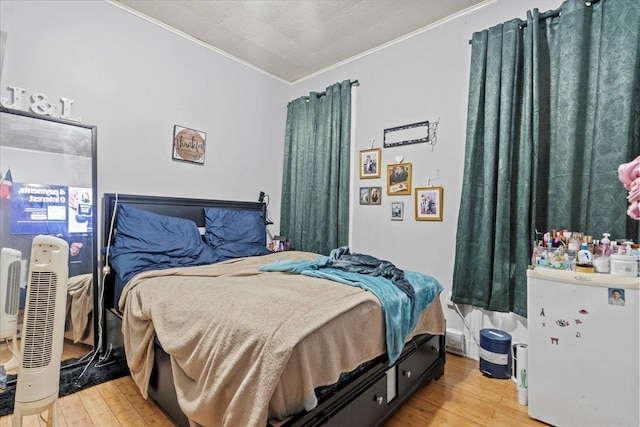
424, 77
135, 81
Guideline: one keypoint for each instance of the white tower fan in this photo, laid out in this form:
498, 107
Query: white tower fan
10, 267
43, 330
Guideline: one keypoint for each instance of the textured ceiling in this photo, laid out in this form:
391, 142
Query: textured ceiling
292, 39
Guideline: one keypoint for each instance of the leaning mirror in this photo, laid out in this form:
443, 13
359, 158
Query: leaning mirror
48, 186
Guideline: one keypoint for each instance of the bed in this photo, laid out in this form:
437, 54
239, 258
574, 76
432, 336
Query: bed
233, 342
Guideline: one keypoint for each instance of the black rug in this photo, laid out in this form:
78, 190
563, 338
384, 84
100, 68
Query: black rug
70, 380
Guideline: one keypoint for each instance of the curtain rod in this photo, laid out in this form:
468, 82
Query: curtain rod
353, 83
547, 15
555, 13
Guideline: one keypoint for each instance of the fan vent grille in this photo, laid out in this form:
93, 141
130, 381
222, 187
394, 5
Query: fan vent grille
12, 299
38, 329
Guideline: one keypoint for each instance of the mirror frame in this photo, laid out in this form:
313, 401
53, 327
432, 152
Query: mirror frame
97, 315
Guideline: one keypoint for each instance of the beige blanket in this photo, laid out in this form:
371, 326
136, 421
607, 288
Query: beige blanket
80, 305
247, 345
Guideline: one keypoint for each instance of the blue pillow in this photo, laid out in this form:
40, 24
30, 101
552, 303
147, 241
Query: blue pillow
148, 241
234, 233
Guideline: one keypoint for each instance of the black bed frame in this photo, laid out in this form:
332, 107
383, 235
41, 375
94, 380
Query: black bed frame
364, 399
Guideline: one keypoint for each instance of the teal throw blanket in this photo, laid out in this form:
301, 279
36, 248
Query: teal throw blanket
401, 313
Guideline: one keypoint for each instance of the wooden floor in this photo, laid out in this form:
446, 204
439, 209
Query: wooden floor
462, 397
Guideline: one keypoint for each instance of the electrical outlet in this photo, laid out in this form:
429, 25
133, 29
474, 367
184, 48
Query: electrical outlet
449, 302
454, 342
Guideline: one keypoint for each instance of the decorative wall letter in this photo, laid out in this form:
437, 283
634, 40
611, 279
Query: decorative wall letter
66, 110
16, 96
41, 105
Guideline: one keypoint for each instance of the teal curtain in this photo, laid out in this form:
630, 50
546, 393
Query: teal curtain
554, 109
315, 183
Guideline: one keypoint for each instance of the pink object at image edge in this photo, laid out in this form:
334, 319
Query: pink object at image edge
629, 175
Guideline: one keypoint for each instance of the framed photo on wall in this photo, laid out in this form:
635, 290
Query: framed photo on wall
429, 204
364, 196
189, 145
370, 163
397, 211
375, 195
399, 179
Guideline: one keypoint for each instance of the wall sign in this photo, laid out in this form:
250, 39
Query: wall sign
407, 134
189, 144
412, 134
39, 104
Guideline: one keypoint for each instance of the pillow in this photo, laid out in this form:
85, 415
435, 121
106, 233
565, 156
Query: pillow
148, 241
234, 233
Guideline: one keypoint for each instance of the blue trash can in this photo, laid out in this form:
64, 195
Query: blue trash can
495, 354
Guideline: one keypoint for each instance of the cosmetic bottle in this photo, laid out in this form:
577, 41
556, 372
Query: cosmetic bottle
584, 255
585, 260
601, 257
574, 243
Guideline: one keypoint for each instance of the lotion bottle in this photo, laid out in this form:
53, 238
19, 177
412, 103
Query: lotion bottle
605, 242
584, 256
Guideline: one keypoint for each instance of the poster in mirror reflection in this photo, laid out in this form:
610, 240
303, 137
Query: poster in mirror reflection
47, 186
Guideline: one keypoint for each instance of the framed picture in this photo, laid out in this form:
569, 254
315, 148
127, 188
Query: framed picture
429, 204
364, 196
399, 179
397, 211
370, 163
189, 145
407, 134
375, 195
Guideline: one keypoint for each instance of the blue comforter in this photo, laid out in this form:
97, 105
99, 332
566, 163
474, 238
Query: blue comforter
401, 313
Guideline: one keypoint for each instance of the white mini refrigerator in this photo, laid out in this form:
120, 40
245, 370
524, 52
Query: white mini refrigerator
583, 352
